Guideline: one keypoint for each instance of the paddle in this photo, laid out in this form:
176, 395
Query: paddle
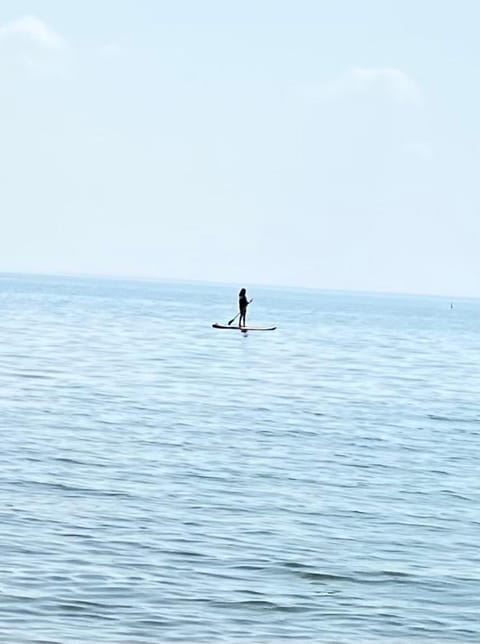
233, 319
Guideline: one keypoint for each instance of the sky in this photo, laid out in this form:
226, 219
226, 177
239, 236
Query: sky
332, 145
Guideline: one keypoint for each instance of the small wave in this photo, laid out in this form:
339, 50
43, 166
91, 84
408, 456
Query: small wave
456, 495
71, 489
72, 461
80, 606
249, 567
261, 604
382, 577
151, 622
450, 419
321, 576
183, 553
305, 571
392, 574
357, 577
30, 375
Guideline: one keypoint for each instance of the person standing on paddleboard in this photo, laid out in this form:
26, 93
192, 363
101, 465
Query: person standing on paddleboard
242, 305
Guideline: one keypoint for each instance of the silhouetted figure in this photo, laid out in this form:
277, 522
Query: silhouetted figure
242, 305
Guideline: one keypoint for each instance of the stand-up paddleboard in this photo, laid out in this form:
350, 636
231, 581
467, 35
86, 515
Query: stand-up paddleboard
243, 328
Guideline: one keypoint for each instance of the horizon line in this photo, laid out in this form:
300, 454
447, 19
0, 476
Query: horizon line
192, 281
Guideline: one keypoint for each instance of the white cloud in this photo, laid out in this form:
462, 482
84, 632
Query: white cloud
388, 80
420, 149
111, 50
31, 30
394, 81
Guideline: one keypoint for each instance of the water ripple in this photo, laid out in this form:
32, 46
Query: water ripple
164, 482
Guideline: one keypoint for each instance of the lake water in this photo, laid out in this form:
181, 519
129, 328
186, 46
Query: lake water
162, 481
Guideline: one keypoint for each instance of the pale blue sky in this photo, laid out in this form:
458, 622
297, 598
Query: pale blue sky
310, 143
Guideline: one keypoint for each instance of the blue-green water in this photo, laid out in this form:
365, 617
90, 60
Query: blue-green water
163, 481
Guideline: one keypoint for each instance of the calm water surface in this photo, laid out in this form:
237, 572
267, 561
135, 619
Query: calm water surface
163, 481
